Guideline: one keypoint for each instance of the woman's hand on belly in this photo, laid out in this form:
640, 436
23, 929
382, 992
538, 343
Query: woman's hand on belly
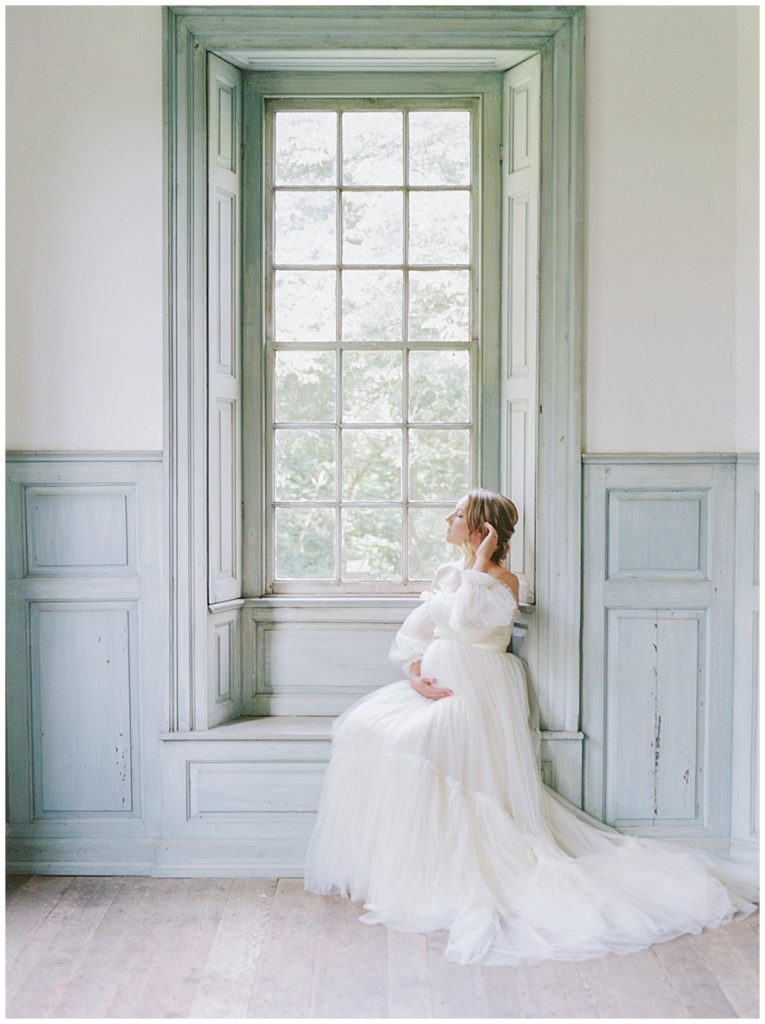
425, 685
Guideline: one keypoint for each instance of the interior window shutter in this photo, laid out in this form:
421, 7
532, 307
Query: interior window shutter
224, 331
520, 307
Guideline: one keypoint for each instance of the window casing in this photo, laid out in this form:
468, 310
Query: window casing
208, 623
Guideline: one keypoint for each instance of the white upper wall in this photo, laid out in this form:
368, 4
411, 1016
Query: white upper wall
671, 219
84, 228
671, 318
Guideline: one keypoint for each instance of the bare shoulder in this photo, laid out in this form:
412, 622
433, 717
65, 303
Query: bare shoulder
510, 580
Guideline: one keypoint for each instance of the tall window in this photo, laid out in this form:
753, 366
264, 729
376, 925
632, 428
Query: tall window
371, 336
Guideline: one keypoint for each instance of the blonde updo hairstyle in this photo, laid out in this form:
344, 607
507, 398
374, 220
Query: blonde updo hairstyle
487, 507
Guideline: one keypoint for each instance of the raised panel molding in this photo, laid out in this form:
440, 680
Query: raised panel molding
226, 492
657, 695
79, 530
250, 790
227, 303
654, 708
655, 534
84, 736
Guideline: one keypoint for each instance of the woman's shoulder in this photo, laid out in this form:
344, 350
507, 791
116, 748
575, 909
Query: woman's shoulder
510, 580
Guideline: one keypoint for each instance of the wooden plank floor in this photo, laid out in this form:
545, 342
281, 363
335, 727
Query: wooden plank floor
211, 947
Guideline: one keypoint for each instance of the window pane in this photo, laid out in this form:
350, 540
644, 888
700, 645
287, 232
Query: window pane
372, 386
371, 544
427, 544
439, 147
372, 465
373, 227
305, 229
306, 147
305, 544
439, 463
304, 465
304, 305
439, 305
373, 148
372, 304
304, 386
439, 386
439, 227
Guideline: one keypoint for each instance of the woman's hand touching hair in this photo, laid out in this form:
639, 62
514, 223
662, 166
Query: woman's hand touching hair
486, 549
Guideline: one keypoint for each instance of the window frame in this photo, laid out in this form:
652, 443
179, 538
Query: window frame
483, 94
461, 37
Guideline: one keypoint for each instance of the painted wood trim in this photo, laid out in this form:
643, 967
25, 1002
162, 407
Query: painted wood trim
520, 335
141, 593
712, 600
661, 458
745, 794
558, 34
62, 455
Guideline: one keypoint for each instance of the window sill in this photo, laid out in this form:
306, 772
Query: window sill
286, 727
403, 602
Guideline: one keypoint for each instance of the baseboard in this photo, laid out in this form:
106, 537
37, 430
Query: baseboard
58, 856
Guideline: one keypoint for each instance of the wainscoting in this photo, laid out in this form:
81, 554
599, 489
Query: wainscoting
99, 784
669, 550
86, 661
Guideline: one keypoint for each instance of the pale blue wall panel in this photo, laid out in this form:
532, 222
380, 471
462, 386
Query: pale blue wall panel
81, 699
87, 660
658, 694
89, 530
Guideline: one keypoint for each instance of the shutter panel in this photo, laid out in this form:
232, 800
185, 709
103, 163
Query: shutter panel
520, 307
224, 331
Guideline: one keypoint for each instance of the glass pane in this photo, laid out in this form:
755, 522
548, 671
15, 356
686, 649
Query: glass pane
427, 542
373, 148
305, 147
438, 464
439, 227
305, 544
304, 386
439, 305
372, 465
372, 386
439, 147
304, 465
372, 304
439, 386
371, 544
304, 228
373, 227
304, 305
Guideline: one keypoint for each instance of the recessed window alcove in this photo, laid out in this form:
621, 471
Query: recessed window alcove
227, 631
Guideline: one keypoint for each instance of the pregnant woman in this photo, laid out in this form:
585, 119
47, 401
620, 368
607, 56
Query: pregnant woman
433, 812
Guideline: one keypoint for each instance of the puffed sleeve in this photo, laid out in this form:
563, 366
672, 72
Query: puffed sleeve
414, 636
481, 604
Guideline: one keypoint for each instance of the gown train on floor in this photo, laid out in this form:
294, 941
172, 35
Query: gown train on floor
434, 815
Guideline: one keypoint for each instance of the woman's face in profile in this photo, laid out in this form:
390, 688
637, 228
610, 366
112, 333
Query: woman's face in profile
457, 531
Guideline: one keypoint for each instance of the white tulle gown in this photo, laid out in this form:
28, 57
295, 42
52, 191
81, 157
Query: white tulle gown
434, 816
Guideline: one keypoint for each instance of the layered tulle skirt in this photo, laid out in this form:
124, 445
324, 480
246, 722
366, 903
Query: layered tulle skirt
433, 816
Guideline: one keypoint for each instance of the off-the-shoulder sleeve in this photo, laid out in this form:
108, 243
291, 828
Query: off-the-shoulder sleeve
481, 604
413, 638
